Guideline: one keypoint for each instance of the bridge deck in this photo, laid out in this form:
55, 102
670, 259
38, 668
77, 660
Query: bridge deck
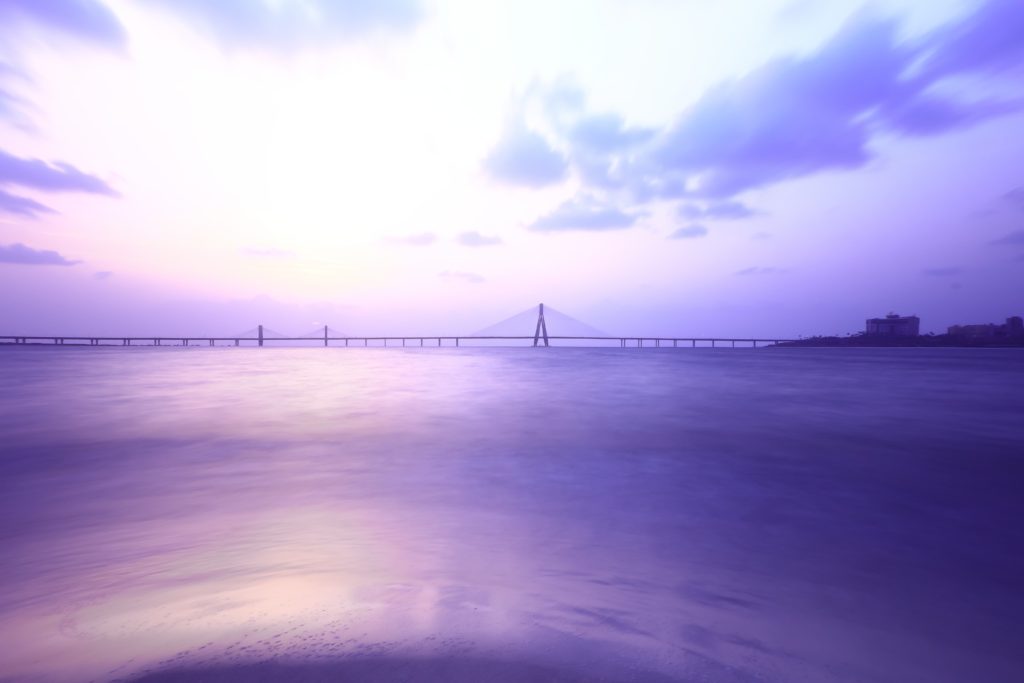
415, 340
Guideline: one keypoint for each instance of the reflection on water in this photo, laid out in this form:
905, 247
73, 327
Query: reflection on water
511, 514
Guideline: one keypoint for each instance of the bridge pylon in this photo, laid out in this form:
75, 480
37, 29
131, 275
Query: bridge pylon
542, 328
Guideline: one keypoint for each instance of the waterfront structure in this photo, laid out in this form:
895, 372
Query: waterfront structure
1013, 327
894, 325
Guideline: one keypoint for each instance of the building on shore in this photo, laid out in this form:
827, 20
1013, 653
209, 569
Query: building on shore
894, 325
1013, 327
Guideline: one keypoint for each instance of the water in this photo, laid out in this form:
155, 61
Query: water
511, 515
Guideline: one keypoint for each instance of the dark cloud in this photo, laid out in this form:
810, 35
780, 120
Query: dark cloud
584, 213
89, 20
719, 210
21, 206
689, 232
524, 157
475, 239
55, 177
422, 239
1015, 238
292, 24
471, 278
942, 272
22, 255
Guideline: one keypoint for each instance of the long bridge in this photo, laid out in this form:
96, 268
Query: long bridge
540, 337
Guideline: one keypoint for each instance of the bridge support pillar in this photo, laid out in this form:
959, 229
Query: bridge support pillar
542, 328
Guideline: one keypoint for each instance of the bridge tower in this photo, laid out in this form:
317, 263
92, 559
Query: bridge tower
542, 328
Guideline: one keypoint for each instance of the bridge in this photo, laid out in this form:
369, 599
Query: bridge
259, 336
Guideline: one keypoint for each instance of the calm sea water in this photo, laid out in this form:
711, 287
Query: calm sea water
511, 515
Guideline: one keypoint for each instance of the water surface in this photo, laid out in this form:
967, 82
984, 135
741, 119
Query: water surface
511, 514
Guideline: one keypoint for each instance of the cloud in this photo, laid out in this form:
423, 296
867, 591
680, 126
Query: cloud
472, 278
942, 272
718, 210
762, 270
524, 157
585, 213
103, 274
88, 20
56, 177
14, 108
798, 116
794, 116
475, 239
606, 133
789, 118
688, 232
1013, 239
1015, 197
927, 115
293, 24
8, 104
21, 206
989, 39
422, 239
39, 175
22, 255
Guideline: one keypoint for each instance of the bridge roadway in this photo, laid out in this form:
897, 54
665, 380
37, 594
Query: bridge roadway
431, 340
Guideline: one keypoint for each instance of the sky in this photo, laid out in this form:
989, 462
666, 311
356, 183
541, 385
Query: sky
658, 167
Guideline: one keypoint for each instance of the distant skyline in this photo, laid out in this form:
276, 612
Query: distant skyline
731, 168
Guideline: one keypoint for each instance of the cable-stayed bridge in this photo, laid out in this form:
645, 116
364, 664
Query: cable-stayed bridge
512, 330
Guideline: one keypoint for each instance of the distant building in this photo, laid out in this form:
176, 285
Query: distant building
1013, 327
894, 325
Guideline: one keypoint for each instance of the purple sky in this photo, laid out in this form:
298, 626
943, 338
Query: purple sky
780, 167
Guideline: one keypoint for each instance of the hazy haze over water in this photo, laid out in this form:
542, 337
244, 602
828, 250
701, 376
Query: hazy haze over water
474, 514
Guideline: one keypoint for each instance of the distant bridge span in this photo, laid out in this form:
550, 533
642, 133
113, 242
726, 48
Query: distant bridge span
539, 337
361, 341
